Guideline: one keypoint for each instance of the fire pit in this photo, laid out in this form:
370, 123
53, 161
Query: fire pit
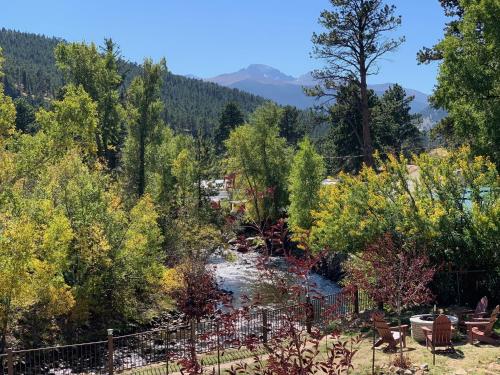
425, 320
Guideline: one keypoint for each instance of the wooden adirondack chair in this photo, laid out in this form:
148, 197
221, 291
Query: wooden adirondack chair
480, 310
440, 334
484, 332
389, 335
481, 324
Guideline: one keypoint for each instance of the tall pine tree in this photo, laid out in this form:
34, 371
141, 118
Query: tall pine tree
351, 46
145, 113
98, 73
230, 118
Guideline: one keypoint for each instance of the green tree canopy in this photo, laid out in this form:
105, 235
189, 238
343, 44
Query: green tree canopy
395, 127
469, 79
145, 119
230, 118
447, 201
98, 73
7, 108
71, 122
290, 127
261, 160
306, 173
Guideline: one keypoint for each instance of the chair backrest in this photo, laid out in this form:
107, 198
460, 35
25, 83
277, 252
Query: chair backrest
495, 312
482, 305
441, 330
382, 327
488, 329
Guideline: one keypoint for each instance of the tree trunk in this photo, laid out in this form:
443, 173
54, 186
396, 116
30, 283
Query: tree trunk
365, 120
142, 173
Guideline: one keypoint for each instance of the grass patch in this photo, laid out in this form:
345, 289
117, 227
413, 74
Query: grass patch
209, 360
477, 359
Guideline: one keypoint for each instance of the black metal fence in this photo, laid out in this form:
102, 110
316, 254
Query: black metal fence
465, 288
126, 352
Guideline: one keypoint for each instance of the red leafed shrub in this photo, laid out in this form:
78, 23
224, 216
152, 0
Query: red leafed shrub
302, 357
394, 272
198, 295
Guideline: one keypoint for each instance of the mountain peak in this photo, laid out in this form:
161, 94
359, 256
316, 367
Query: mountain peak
271, 83
254, 72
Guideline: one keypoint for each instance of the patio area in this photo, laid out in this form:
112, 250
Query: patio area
465, 357
476, 359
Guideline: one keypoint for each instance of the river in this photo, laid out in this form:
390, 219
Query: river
241, 277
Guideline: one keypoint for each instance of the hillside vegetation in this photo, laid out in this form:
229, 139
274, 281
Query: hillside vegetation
30, 70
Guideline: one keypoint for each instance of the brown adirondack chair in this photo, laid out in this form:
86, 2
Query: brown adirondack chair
389, 335
480, 310
484, 332
440, 334
481, 324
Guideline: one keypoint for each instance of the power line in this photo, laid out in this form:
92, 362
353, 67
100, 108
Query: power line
347, 157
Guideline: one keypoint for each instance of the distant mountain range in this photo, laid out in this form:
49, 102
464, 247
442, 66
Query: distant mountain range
284, 89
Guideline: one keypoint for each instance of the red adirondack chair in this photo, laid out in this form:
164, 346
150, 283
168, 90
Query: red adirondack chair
484, 333
480, 310
482, 324
389, 335
440, 334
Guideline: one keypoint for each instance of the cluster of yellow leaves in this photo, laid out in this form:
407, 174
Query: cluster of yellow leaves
32, 253
72, 122
429, 198
171, 280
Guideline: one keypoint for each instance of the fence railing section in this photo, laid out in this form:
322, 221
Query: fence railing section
125, 352
85, 358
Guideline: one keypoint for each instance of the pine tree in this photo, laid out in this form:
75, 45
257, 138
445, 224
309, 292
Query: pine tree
395, 128
351, 46
229, 119
145, 117
290, 126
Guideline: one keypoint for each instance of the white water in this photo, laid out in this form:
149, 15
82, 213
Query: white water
241, 275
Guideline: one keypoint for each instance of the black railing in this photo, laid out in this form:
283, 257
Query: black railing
126, 352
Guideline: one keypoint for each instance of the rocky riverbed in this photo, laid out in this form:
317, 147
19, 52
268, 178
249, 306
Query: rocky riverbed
237, 274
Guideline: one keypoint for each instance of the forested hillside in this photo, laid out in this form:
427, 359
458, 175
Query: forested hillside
30, 70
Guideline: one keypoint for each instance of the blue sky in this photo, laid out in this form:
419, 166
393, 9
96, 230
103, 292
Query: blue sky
210, 37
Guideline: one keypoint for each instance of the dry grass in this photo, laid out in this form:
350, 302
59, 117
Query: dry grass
477, 359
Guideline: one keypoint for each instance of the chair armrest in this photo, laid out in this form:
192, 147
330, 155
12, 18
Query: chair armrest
396, 328
480, 320
403, 327
477, 323
426, 330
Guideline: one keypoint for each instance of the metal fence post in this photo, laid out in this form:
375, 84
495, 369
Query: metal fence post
10, 362
110, 352
356, 301
264, 326
309, 314
218, 346
193, 338
168, 342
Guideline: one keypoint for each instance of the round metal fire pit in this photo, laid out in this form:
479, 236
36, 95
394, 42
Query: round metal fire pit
425, 320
